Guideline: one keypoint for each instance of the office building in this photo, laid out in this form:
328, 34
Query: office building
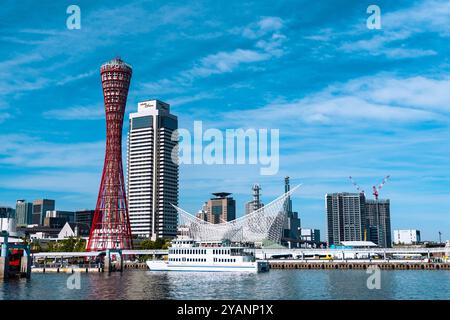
292, 222
378, 222
345, 217
407, 237
55, 222
152, 183
256, 203
7, 212
24, 213
68, 215
40, 208
311, 236
221, 208
84, 217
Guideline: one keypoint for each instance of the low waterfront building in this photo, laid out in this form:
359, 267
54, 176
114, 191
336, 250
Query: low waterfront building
407, 237
72, 229
310, 235
39, 232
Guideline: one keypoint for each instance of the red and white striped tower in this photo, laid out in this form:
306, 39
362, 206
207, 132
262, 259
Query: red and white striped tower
111, 226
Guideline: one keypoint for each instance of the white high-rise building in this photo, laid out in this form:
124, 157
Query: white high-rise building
152, 174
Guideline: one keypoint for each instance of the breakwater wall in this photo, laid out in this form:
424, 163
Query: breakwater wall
358, 265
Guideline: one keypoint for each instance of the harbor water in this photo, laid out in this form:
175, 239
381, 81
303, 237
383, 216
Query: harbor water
276, 284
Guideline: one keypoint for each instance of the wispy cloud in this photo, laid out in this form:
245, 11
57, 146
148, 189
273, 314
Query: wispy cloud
398, 28
27, 151
69, 79
385, 99
93, 112
55, 181
224, 62
269, 40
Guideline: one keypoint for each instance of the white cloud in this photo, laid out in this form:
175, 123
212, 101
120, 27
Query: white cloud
264, 26
178, 101
269, 44
426, 16
69, 79
27, 151
398, 27
224, 62
418, 92
385, 99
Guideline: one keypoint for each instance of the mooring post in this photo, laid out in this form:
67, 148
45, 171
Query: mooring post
121, 260
107, 261
4, 261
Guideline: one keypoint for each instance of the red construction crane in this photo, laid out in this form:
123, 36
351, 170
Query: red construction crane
356, 185
377, 189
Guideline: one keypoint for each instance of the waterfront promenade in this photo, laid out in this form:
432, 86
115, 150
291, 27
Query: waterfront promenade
430, 259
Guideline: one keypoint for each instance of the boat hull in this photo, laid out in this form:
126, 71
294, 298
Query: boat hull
258, 266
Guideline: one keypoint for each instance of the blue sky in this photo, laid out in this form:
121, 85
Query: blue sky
347, 100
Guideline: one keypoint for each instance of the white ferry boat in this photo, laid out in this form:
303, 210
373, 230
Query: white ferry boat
189, 255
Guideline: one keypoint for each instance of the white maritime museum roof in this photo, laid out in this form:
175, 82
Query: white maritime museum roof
265, 223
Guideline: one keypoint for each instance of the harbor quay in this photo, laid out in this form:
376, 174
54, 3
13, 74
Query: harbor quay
383, 258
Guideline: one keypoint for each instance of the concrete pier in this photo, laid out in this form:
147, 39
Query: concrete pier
358, 265
12, 265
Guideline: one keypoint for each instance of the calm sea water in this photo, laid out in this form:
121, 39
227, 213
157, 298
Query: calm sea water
276, 284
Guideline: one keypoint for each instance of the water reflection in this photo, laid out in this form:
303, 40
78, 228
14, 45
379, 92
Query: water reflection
276, 284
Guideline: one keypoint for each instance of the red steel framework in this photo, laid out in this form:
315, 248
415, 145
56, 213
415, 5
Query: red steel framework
111, 226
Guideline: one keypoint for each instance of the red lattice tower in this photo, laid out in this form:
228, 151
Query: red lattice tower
111, 226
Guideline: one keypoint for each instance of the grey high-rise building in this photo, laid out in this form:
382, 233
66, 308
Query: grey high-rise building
378, 222
24, 213
292, 226
152, 167
345, 217
40, 208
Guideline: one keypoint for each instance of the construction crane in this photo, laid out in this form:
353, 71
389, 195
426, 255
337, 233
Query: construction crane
376, 189
356, 185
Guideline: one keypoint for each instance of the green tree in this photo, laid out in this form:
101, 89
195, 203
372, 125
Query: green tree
36, 246
80, 245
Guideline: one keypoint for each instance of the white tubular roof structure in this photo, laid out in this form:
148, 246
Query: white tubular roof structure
264, 223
